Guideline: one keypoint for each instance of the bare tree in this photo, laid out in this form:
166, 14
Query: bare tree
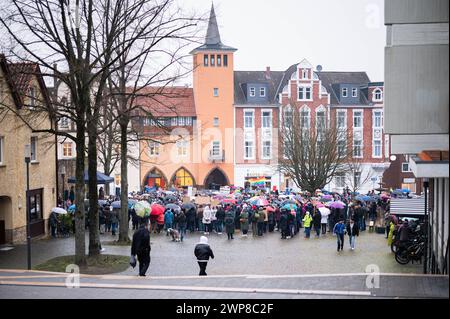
355, 176
65, 31
311, 156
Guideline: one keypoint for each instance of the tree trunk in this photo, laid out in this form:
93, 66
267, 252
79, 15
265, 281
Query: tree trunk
94, 232
80, 240
124, 223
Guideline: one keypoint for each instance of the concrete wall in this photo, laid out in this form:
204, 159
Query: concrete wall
416, 11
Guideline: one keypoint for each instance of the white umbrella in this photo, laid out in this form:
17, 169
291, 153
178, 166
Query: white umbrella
59, 210
324, 211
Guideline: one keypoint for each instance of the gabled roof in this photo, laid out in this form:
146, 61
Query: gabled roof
212, 39
167, 101
19, 77
331, 79
271, 78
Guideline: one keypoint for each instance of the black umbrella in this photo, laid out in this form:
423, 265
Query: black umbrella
101, 178
170, 198
188, 206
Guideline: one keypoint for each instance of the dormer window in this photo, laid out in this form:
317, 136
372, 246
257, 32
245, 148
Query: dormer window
304, 74
252, 92
213, 60
304, 93
262, 92
205, 60
377, 95
32, 93
219, 60
354, 92
344, 92
225, 60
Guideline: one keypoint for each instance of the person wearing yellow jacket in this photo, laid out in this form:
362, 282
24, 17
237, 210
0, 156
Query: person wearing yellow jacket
307, 220
391, 233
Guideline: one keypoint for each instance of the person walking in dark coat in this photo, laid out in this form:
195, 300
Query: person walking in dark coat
203, 251
140, 246
284, 226
182, 223
229, 223
53, 221
317, 220
220, 215
352, 232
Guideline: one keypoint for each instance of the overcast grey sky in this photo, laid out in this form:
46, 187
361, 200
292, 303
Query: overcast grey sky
340, 35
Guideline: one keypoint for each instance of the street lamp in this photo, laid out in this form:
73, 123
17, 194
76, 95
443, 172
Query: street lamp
27, 161
426, 185
63, 173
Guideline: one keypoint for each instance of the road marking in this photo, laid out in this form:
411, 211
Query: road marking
247, 276
194, 288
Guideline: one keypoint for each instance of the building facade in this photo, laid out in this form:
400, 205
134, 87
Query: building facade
417, 108
22, 93
235, 118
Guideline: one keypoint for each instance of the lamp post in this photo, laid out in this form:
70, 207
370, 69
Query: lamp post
27, 161
63, 174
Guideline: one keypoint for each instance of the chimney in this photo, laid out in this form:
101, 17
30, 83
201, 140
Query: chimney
268, 72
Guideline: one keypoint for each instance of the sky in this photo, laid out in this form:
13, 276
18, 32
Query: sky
339, 35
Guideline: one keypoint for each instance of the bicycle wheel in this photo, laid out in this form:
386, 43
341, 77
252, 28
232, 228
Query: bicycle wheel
394, 247
402, 257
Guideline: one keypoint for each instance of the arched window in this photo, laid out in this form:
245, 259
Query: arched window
377, 95
183, 178
305, 117
287, 117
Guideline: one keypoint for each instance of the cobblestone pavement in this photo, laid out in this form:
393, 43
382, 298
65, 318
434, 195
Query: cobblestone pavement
25, 284
268, 255
266, 267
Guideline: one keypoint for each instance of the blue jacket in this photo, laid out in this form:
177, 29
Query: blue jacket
168, 218
339, 229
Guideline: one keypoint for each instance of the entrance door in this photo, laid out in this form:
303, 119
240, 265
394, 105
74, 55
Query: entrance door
215, 179
36, 206
2, 232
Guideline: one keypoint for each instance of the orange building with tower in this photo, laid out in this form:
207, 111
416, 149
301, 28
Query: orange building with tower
200, 149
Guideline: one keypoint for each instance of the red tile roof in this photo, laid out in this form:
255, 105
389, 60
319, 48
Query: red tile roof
21, 75
167, 101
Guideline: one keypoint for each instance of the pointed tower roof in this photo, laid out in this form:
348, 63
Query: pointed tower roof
212, 39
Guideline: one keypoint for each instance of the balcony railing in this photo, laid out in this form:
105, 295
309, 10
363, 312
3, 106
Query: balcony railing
216, 156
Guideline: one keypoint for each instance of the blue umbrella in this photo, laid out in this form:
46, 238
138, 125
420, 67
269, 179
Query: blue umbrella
290, 207
131, 203
402, 190
101, 178
364, 198
71, 208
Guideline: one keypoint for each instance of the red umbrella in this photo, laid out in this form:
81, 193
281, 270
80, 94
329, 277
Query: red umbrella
157, 209
228, 201
270, 209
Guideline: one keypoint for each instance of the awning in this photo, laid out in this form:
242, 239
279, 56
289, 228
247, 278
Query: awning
408, 206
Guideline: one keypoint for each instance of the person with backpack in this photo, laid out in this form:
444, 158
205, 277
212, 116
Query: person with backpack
339, 230
307, 220
260, 221
243, 218
284, 227
203, 252
229, 224
182, 224
168, 220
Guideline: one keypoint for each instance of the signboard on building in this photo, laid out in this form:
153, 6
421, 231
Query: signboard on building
224, 190
202, 200
409, 180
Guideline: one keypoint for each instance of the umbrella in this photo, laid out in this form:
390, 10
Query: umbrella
157, 209
142, 209
364, 198
59, 210
402, 190
228, 201
337, 204
170, 198
116, 204
290, 206
326, 198
270, 209
71, 208
173, 207
131, 203
188, 206
259, 201
324, 211
101, 178
102, 202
